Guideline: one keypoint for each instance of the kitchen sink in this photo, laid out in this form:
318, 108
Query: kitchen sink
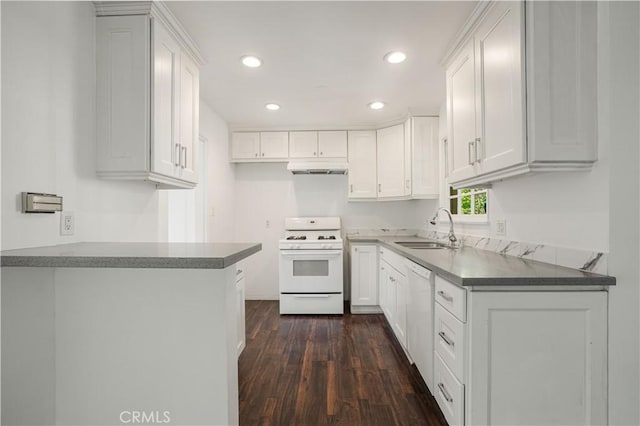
422, 245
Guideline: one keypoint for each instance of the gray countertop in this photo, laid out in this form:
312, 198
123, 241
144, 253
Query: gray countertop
132, 255
473, 267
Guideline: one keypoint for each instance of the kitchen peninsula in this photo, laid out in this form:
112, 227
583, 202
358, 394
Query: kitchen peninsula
95, 331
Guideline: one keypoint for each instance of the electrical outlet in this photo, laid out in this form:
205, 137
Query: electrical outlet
67, 223
501, 227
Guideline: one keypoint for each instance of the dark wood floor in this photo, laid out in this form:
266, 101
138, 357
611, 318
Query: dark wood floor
317, 370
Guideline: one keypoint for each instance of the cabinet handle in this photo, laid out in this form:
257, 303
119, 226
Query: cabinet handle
408, 184
393, 280
445, 296
321, 153
355, 249
263, 154
351, 188
178, 154
184, 149
446, 339
470, 158
238, 271
444, 392
477, 150
382, 268
379, 187
314, 154
256, 154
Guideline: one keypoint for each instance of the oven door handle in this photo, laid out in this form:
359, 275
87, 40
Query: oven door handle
307, 253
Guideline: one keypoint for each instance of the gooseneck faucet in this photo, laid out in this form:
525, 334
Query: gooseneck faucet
452, 235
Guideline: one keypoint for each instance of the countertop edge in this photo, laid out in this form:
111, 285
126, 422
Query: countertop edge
595, 280
129, 262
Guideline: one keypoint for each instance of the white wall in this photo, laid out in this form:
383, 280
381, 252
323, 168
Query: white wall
221, 177
268, 192
48, 137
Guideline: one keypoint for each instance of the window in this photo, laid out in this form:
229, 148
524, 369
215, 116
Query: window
468, 203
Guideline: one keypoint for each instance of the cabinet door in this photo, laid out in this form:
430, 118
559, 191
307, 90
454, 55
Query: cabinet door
165, 146
390, 161
391, 296
362, 164
424, 167
461, 115
189, 118
500, 88
123, 81
420, 306
408, 152
245, 145
548, 348
332, 144
400, 319
240, 312
383, 281
303, 144
364, 275
274, 145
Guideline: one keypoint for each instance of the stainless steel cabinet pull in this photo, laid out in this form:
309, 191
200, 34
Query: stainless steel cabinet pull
470, 158
477, 149
379, 187
408, 183
351, 188
263, 154
314, 154
321, 153
445, 143
177, 153
184, 149
238, 271
446, 339
444, 392
355, 249
393, 280
256, 154
445, 296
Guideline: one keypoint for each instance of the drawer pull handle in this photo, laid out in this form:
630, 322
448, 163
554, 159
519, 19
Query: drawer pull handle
446, 339
312, 296
238, 271
445, 296
393, 280
444, 392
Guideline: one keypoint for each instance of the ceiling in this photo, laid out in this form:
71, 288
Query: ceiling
322, 60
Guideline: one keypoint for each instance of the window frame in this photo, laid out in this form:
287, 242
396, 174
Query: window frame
473, 217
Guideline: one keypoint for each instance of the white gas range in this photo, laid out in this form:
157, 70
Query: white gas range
311, 266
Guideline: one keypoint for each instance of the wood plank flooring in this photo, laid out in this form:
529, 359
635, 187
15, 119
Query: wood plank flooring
321, 370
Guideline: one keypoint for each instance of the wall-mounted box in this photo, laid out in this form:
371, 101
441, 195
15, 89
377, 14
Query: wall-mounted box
33, 202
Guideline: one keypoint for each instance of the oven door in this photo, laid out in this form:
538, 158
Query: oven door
310, 271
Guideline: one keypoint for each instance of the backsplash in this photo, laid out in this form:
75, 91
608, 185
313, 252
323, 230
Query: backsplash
572, 258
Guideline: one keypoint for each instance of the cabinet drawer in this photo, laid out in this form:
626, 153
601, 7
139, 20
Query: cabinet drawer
449, 340
452, 297
311, 304
393, 259
449, 393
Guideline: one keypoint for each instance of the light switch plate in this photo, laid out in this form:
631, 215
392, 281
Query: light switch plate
67, 223
501, 227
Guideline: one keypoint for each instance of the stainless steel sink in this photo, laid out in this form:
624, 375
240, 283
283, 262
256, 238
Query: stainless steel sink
422, 245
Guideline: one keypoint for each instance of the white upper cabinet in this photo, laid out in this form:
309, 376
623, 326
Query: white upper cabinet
332, 144
245, 145
259, 146
322, 144
303, 144
274, 145
506, 112
362, 165
189, 118
424, 157
147, 96
390, 162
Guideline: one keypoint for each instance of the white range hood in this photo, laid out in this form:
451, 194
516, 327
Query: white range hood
318, 167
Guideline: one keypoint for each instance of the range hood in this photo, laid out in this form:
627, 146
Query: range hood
318, 167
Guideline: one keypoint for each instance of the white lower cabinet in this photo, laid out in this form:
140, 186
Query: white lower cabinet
420, 319
240, 310
364, 278
448, 392
393, 292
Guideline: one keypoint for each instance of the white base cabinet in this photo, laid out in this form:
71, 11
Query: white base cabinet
537, 358
364, 278
240, 309
420, 319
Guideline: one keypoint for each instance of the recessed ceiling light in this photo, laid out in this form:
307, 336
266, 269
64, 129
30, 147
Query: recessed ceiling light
395, 57
272, 107
251, 61
376, 105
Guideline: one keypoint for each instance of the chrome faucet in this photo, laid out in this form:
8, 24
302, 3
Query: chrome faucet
452, 236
